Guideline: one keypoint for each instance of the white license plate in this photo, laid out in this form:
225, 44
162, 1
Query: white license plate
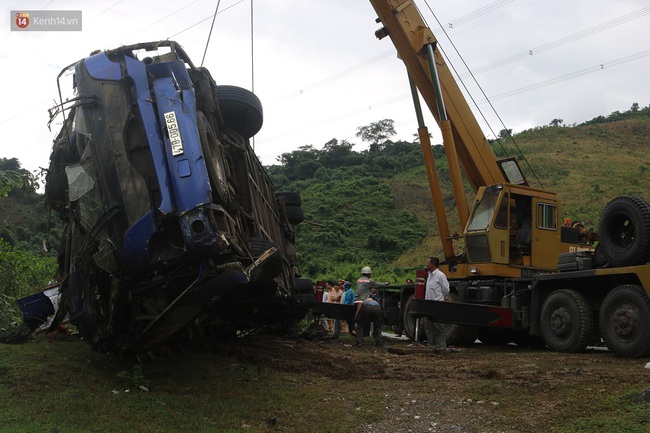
174, 133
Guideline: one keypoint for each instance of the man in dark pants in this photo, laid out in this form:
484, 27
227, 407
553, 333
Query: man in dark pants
437, 288
368, 311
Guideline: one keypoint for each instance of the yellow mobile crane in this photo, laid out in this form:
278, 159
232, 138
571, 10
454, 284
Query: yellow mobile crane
522, 275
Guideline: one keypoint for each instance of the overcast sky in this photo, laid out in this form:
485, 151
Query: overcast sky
321, 73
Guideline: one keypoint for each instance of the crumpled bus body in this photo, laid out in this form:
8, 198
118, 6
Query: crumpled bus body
170, 217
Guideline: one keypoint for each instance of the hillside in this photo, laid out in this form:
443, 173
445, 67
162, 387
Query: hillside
586, 165
24, 221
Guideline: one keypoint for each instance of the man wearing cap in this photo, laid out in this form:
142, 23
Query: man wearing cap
365, 283
368, 310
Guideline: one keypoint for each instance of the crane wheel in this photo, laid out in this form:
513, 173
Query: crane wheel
625, 321
567, 321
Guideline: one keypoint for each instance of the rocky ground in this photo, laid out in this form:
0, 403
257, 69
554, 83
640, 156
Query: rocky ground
477, 389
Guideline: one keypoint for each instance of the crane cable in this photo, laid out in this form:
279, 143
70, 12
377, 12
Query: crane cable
252, 50
214, 17
482, 92
252, 63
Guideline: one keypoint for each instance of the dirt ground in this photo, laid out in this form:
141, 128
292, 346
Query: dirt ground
477, 389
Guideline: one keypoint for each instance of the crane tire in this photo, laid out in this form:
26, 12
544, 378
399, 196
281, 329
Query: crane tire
625, 321
624, 231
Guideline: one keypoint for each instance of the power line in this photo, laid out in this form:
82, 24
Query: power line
477, 13
570, 76
202, 21
378, 58
338, 75
562, 41
160, 20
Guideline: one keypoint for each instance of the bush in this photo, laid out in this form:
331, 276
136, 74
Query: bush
12, 327
23, 273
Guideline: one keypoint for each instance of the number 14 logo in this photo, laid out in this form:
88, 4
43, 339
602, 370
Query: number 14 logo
22, 20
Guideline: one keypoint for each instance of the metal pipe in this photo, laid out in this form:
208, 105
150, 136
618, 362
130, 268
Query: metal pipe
432, 174
448, 141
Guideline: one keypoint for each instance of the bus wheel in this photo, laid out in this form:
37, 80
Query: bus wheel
214, 159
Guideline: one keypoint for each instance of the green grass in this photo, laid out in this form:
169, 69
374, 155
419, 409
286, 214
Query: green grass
614, 413
66, 386
62, 384
582, 407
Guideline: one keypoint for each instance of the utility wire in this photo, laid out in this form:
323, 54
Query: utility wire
576, 74
202, 21
10, 32
140, 30
562, 41
338, 75
214, 17
477, 13
368, 62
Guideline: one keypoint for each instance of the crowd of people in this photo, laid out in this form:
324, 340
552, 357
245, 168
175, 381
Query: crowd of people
367, 310
368, 314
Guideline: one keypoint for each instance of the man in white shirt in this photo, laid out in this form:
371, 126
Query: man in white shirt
436, 289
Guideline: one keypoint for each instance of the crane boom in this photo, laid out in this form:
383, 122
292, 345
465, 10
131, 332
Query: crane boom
403, 23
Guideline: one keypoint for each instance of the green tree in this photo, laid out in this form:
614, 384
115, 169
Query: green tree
301, 163
13, 176
505, 133
377, 133
556, 122
337, 154
9, 180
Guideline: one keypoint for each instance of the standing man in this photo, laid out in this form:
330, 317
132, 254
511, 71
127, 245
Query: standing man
365, 283
368, 313
364, 292
436, 289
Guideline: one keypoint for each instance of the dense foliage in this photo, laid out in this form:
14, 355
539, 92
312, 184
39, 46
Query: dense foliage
352, 219
12, 327
22, 272
15, 178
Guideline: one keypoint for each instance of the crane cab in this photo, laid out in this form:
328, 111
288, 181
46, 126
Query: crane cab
514, 225
519, 226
